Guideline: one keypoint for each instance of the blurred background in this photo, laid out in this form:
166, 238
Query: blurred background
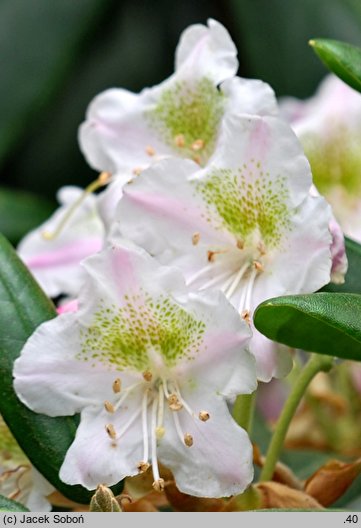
56, 55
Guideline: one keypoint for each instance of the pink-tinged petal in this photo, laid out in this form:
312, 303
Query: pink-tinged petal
219, 463
272, 359
68, 306
223, 364
108, 200
106, 460
55, 262
207, 51
50, 373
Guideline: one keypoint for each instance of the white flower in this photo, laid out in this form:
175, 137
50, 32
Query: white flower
329, 127
53, 257
246, 223
149, 367
125, 132
19, 480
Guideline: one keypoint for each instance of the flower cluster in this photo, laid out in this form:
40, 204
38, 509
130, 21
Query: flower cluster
208, 211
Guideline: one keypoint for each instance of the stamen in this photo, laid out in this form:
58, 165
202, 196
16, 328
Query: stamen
179, 140
109, 407
130, 421
111, 431
250, 288
174, 403
137, 170
145, 427
188, 440
196, 238
204, 416
103, 179
240, 244
159, 432
125, 394
178, 427
197, 159
199, 274
158, 483
211, 255
147, 375
216, 280
143, 466
237, 280
182, 400
117, 385
258, 266
261, 248
246, 315
198, 144
165, 389
150, 150
160, 416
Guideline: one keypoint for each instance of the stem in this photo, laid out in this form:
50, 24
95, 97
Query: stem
316, 363
243, 411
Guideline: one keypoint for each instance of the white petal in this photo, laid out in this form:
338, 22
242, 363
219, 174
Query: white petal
249, 96
219, 463
51, 375
55, 262
207, 51
93, 458
41, 488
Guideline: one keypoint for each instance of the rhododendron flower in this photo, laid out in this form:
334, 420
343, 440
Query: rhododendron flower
329, 127
149, 367
54, 257
246, 223
125, 132
19, 480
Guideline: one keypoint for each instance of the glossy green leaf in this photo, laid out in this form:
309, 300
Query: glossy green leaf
341, 58
45, 440
352, 282
20, 212
327, 323
11, 505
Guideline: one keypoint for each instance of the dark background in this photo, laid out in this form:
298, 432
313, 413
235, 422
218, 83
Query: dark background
55, 55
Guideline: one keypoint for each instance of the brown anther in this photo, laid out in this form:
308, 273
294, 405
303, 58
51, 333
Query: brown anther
137, 171
258, 265
261, 248
150, 150
147, 375
109, 407
197, 159
159, 432
246, 316
179, 140
211, 255
158, 485
240, 244
196, 238
104, 178
198, 144
188, 440
111, 431
203, 416
174, 403
143, 466
117, 385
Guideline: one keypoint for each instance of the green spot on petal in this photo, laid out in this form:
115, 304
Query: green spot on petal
122, 337
247, 203
191, 111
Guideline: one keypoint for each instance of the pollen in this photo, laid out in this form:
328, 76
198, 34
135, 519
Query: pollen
179, 140
203, 416
150, 150
111, 431
117, 385
109, 407
137, 171
198, 144
104, 178
147, 375
158, 485
143, 466
246, 316
174, 403
196, 238
188, 440
159, 432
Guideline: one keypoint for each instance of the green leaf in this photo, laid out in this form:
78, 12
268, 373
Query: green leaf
352, 282
341, 58
327, 323
20, 212
45, 440
11, 505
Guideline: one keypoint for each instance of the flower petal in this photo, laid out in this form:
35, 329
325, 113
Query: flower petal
219, 463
